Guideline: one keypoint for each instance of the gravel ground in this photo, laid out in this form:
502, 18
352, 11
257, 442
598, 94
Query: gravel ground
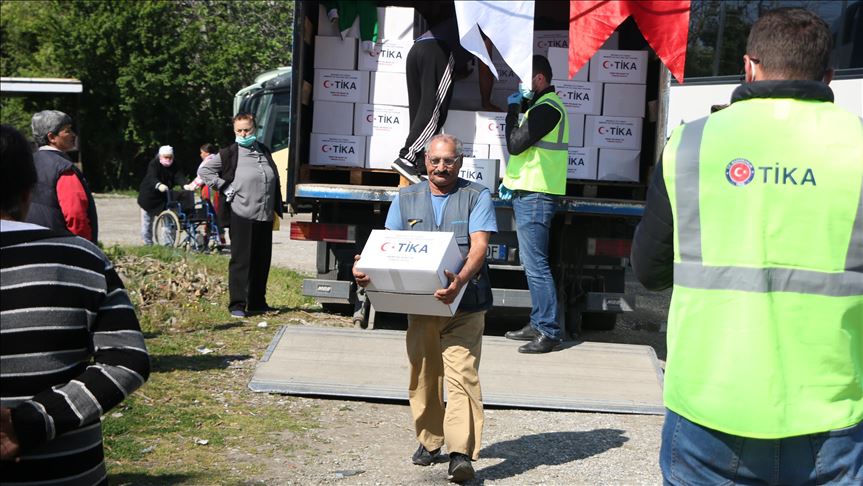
370, 443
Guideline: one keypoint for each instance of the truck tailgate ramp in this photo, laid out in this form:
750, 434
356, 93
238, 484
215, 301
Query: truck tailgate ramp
586, 376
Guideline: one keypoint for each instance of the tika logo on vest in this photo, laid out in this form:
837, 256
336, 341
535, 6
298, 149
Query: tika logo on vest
407, 247
741, 172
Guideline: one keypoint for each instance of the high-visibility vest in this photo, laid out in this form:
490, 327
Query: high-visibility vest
765, 329
542, 167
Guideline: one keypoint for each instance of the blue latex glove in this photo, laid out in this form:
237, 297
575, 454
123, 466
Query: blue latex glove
514, 99
504, 193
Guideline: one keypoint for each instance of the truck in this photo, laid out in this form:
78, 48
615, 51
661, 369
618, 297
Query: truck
592, 229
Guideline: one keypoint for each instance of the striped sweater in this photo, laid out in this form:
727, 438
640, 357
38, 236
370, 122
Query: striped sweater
70, 350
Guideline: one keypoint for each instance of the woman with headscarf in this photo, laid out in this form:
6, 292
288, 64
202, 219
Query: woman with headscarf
162, 174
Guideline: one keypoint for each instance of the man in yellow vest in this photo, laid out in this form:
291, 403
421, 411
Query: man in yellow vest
535, 178
755, 216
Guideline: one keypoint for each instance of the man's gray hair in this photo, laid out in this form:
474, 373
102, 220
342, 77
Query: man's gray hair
459, 147
48, 121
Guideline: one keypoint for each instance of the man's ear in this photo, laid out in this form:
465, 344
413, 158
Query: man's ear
748, 68
828, 75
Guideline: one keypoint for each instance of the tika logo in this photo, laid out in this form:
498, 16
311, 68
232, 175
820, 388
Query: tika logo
405, 247
552, 43
471, 175
496, 127
383, 119
615, 131
741, 172
576, 161
338, 84
626, 65
337, 149
574, 95
386, 54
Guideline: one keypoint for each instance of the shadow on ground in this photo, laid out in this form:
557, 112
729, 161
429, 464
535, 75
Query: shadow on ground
553, 448
142, 479
175, 362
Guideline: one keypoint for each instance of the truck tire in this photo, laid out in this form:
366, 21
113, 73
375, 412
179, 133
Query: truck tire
598, 321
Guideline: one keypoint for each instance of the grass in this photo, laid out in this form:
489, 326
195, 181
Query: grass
195, 417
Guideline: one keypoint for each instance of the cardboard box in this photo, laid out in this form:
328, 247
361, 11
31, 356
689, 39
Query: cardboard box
338, 85
405, 269
611, 66
490, 127
558, 57
333, 117
618, 165
498, 151
396, 23
337, 150
580, 96
335, 53
382, 150
388, 89
507, 79
624, 99
461, 124
576, 129
582, 163
482, 171
388, 56
381, 120
544, 39
615, 132
475, 150
331, 29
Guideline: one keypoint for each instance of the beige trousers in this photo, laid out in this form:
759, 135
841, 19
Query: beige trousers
446, 348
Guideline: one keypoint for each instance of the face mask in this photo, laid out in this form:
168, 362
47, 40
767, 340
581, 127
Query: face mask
165, 161
246, 141
526, 92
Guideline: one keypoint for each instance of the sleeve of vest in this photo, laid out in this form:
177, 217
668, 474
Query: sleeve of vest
653, 245
542, 120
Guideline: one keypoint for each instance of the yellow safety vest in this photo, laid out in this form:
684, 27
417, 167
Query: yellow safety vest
542, 167
765, 329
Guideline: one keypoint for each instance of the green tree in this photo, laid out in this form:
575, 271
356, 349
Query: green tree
154, 72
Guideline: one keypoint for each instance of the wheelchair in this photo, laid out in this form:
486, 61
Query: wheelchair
187, 223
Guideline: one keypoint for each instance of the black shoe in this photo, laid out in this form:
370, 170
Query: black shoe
460, 469
407, 170
239, 313
542, 344
425, 457
262, 310
527, 333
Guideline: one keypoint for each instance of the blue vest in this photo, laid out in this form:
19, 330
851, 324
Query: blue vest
415, 204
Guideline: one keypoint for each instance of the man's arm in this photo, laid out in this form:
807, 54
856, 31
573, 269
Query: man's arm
543, 119
473, 264
74, 204
653, 245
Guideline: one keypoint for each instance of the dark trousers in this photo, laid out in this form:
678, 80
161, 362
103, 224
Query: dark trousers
429, 76
251, 253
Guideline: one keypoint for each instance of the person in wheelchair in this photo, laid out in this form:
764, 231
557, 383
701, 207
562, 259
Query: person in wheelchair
162, 174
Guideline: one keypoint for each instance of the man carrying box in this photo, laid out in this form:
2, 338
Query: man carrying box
447, 347
535, 177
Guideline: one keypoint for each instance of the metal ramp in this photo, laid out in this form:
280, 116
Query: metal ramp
586, 376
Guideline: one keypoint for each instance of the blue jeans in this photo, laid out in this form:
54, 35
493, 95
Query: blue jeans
533, 213
695, 455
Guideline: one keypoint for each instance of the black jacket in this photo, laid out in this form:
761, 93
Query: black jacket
542, 120
149, 198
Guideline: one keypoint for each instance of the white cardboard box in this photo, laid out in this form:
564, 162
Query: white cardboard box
624, 99
333, 117
382, 149
327, 28
462, 125
388, 89
615, 132
337, 150
582, 163
506, 77
498, 151
388, 56
338, 85
558, 57
576, 129
405, 268
381, 120
475, 150
543, 39
612, 66
618, 165
482, 171
396, 23
490, 127
580, 96
335, 53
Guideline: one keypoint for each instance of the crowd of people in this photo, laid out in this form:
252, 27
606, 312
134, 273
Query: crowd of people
763, 382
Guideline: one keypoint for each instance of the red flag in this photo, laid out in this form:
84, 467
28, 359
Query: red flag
664, 24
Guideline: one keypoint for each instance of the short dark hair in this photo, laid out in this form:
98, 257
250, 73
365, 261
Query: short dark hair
542, 66
245, 116
791, 43
16, 161
209, 148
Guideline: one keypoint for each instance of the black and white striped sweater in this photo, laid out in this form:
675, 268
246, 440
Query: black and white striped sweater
71, 349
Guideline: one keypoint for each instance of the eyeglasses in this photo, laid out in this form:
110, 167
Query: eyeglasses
446, 162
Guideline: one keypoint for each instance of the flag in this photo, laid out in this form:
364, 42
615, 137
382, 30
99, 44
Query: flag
663, 23
509, 25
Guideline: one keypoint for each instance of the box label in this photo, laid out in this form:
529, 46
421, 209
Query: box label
580, 96
613, 132
582, 163
337, 150
381, 120
346, 86
388, 56
619, 67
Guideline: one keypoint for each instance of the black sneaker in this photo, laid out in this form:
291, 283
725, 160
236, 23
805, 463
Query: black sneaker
407, 170
460, 469
425, 457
